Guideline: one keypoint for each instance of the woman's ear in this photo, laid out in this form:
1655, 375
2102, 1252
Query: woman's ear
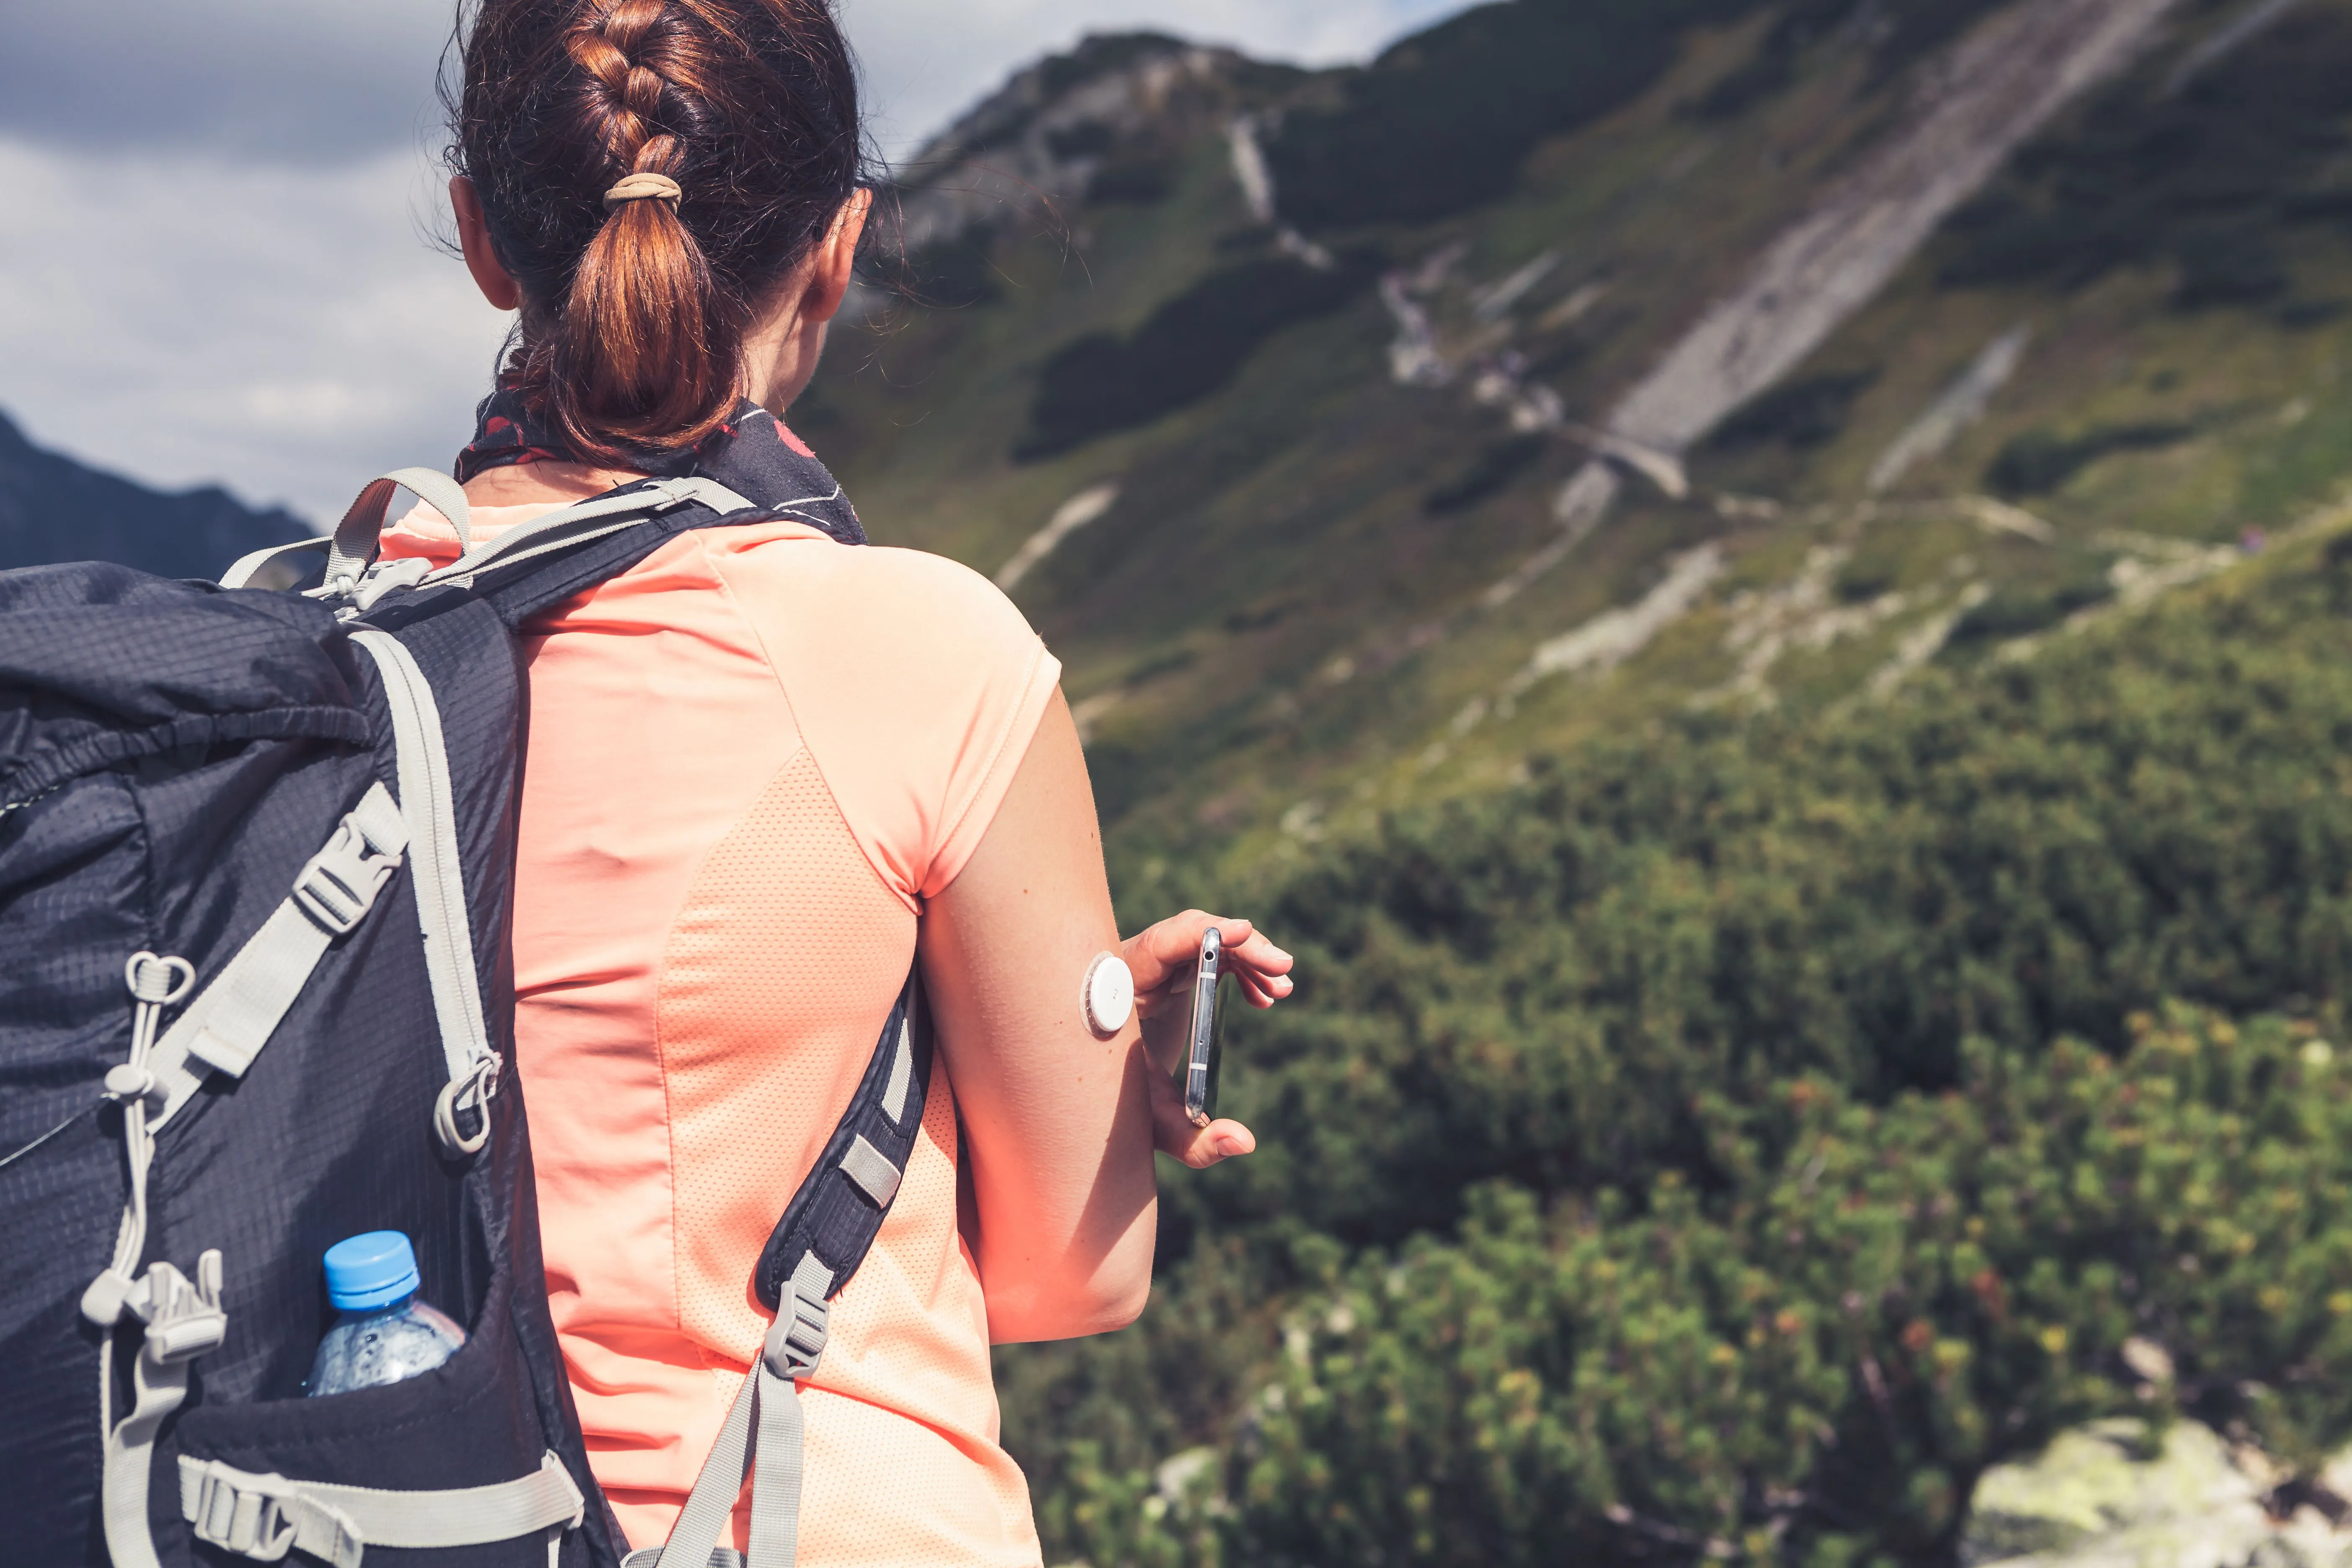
835, 258
490, 276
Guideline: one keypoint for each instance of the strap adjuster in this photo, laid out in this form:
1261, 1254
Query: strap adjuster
796, 1343
339, 884
244, 1513
265, 1517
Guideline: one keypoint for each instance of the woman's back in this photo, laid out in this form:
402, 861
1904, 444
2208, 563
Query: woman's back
765, 769
751, 759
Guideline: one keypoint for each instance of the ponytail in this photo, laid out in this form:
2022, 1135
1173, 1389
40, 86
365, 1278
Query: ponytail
641, 350
652, 170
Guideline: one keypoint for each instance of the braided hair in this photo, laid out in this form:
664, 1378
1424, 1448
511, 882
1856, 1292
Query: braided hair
634, 314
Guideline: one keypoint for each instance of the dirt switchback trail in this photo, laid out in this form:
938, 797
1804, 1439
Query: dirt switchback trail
1979, 103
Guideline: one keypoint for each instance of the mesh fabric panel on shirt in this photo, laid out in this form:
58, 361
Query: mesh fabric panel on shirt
776, 981
902, 1463
787, 932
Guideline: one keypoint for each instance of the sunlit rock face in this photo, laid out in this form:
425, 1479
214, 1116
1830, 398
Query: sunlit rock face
2116, 1494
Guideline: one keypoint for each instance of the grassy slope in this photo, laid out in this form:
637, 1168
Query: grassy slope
1595, 996
1274, 535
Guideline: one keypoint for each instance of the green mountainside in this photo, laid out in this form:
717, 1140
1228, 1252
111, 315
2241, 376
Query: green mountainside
1764, 594
1296, 511
1730, 1141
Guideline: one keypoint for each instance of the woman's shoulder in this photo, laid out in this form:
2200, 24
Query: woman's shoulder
915, 684
861, 595
933, 582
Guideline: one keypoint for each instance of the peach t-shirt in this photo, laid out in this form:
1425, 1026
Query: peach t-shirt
753, 757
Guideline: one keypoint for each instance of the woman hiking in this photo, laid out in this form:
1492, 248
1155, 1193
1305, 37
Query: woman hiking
766, 767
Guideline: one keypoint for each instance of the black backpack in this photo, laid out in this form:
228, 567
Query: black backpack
256, 856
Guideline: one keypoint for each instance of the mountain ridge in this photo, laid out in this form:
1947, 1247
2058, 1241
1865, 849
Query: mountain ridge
1331, 583
55, 507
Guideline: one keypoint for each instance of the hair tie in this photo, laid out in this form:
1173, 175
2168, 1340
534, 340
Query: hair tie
641, 186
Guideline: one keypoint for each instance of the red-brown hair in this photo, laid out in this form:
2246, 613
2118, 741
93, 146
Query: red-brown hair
633, 318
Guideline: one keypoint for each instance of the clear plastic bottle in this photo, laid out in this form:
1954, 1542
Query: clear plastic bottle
385, 1333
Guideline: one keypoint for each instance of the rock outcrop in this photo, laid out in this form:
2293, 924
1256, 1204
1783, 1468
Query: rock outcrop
2118, 1494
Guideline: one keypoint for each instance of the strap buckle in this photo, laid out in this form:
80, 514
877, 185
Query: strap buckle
385, 577
265, 1517
797, 1341
184, 1315
244, 1513
340, 883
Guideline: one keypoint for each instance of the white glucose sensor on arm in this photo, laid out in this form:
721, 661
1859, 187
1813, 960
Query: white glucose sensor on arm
1108, 995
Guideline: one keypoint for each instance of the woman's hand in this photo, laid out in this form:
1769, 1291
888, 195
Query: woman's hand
1161, 958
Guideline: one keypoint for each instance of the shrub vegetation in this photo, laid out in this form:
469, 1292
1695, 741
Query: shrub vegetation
1441, 121
1189, 347
2040, 462
1731, 1142
2207, 177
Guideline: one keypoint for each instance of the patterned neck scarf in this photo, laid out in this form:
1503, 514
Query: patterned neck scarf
752, 454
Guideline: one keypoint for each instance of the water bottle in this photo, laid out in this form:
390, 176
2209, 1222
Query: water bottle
385, 1333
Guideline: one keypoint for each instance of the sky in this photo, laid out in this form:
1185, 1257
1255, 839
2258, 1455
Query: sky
220, 238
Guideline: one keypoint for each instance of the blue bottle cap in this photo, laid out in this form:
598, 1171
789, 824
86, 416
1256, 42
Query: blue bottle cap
371, 1270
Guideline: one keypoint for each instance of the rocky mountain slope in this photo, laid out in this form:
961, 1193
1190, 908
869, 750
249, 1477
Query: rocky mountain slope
54, 509
1757, 589
1356, 437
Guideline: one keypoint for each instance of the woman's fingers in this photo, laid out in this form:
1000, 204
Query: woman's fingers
1172, 1132
1161, 958
1160, 953
1164, 953
1263, 969
1201, 1147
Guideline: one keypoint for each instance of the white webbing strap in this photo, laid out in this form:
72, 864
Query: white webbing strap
230, 1021
359, 534
570, 526
871, 1170
700, 1523
761, 1438
183, 1321
438, 870
245, 567
224, 1029
357, 539
902, 1071
264, 1516
774, 1538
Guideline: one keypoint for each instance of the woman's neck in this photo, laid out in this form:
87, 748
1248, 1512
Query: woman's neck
542, 483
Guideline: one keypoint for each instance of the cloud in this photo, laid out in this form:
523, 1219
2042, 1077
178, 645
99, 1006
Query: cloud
288, 331
277, 81
219, 265
300, 82
927, 60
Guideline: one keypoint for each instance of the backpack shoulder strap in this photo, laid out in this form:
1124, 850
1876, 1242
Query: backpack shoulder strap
840, 1208
353, 545
593, 550
353, 574
825, 1232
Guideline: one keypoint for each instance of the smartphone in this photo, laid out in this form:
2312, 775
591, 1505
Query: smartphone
1196, 1069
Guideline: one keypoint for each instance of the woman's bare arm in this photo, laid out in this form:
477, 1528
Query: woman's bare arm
1059, 1127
